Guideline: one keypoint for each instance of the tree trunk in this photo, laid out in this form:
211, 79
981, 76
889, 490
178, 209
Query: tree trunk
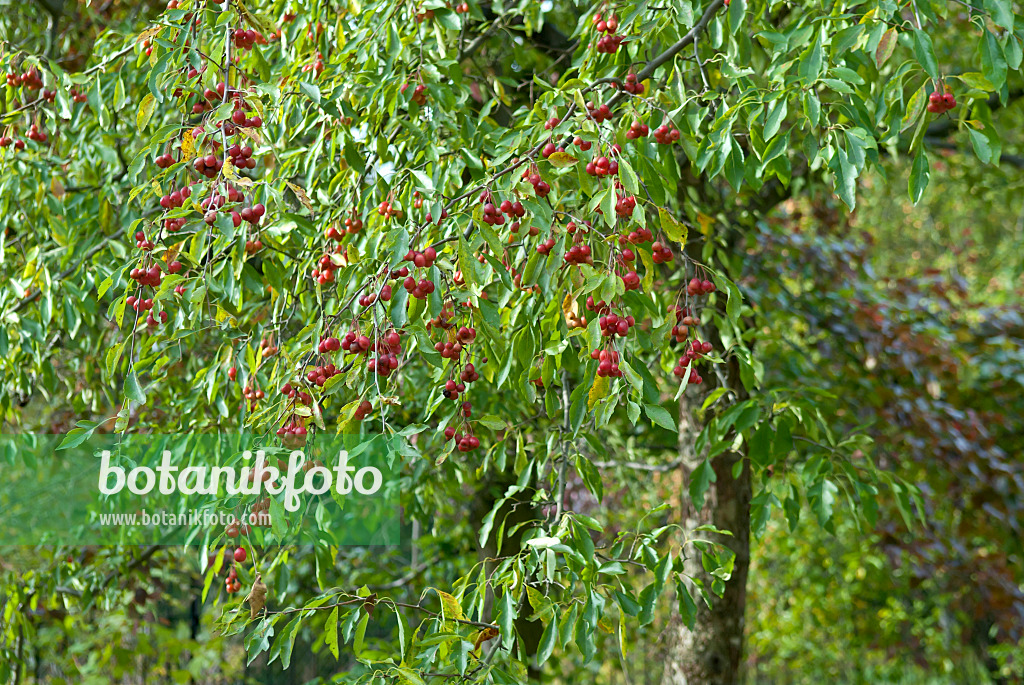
712, 653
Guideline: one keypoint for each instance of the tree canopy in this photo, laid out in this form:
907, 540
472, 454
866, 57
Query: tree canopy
608, 275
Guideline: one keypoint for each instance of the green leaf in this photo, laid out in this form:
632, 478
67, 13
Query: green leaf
914, 108
660, 416
687, 607
846, 179
925, 53
331, 632
737, 8
547, 641
919, 176
310, 90
700, 482
628, 177
132, 389
506, 617
774, 119
993, 61
359, 642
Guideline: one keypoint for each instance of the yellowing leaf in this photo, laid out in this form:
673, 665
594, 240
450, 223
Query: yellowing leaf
56, 187
886, 46
571, 309
252, 134
706, 223
146, 108
188, 146
148, 33
301, 194
868, 17
452, 608
672, 228
598, 391
561, 160
229, 170
250, 18
157, 189
648, 279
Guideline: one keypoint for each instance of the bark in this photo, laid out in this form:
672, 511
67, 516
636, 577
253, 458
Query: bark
712, 653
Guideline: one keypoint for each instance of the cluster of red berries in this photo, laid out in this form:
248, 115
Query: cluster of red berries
176, 198
253, 246
252, 395
317, 66
241, 119
327, 344
696, 350
299, 396
324, 271
419, 93
139, 304
633, 86
152, 321
232, 585
579, 254
451, 350
464, 443
599, 113
318, 375
246, 38
941, 102
684, 319
624, 205
602, 166
608, 43
546, 246
384, 363
418, 289
292, 433
369, 298
6, 141
35, 134
31, 79
539, 185
666, 134
631, 280
388, 210
607, 363
353, 343
636, 237
363, 410
661, 253
612, 324
551, 123
423, 259
208, 166
637, 130
142, 243
241, 156
165, 160
151, 276
698, 287
583, 145
352, 225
